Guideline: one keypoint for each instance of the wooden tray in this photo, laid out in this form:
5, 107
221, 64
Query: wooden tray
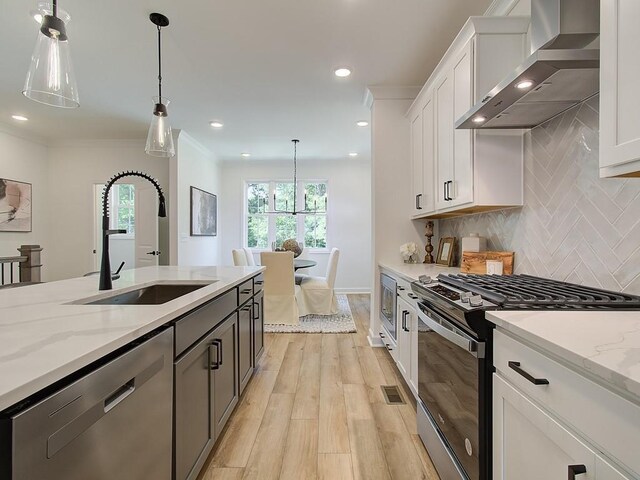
476, 262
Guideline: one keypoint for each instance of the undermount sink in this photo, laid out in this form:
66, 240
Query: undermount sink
150, 295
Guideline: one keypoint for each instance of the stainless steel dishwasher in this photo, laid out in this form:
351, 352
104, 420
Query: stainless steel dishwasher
114, 422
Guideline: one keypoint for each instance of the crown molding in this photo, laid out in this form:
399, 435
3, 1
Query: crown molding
380, 92
21, 134
500, 8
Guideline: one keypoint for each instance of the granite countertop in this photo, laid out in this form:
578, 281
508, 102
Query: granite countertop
605, 344
44, 338
411, 271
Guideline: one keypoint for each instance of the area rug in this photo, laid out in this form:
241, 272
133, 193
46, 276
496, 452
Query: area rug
341, 322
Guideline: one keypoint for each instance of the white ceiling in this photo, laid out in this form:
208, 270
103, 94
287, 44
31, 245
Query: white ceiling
263, 67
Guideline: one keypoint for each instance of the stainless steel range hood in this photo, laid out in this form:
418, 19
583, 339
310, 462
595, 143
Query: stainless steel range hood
559, 74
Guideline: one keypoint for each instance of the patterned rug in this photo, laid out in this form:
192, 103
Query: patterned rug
341, 322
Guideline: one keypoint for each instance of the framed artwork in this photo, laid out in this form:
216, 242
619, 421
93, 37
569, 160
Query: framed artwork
15, 206
446, 247
204, 213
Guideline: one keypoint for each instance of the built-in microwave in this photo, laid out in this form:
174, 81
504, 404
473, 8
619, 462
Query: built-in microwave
388, 301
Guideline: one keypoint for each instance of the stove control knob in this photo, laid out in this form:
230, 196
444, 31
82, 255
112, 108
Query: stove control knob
464, 298
475, 301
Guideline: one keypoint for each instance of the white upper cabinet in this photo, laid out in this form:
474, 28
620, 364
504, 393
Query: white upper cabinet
464, 171
619, 97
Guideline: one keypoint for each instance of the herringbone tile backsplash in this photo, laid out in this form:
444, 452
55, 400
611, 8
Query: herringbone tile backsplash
574, 226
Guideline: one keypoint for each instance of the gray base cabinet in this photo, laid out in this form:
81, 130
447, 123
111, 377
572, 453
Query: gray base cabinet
206, 392
245, 353
258, 327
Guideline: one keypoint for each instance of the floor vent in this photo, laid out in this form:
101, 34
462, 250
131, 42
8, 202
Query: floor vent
392, 395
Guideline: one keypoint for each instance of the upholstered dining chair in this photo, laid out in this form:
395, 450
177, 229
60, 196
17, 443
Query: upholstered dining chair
316, 294
280, 306
239, 257
250, 260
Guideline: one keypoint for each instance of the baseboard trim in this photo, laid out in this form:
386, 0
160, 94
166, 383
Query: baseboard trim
353, 291
374, 340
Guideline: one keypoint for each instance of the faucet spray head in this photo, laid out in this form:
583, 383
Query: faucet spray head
162, 209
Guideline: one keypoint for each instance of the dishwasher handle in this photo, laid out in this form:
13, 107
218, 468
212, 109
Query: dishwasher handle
119, 395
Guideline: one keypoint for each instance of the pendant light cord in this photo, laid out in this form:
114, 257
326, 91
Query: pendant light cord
159, 67
295, 174
55, 8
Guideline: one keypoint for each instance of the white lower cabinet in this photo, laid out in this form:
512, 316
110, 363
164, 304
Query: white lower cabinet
403, 359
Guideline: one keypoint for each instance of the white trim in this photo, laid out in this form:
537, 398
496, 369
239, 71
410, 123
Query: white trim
500, 8
376, 92
14, 131
374, 340
353, 291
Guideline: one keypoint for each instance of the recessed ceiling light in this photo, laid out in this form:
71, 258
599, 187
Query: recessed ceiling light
524, 84
362, 123
20, 118
479, 119
342, 72
353, 154
216, 124
245, 154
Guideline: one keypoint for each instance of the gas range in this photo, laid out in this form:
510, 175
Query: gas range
467, 297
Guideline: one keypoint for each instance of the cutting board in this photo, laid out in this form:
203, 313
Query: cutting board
476, 262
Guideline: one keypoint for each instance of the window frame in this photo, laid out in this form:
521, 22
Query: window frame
114, 208
271, 217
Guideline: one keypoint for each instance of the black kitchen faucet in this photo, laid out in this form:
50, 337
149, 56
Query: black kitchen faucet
105, 264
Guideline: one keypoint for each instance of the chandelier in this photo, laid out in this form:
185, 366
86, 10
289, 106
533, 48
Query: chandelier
294, 210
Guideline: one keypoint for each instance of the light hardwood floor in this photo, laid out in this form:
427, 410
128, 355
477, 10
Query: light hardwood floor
314, 410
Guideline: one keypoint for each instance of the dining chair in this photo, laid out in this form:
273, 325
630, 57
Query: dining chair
250, 260
280, 306
239, 257
316, 294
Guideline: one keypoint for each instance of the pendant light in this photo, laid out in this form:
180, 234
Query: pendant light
51, 79
294, 210
160, 139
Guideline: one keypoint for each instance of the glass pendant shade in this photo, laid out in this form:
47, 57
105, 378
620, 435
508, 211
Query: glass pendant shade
51, 79
159, 138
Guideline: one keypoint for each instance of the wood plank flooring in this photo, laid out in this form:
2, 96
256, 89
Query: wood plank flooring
314, 410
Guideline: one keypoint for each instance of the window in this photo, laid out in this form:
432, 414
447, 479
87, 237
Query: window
262, 229
122, 204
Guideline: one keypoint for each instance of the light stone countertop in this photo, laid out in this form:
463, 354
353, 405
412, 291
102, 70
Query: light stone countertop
604, 344
44, 339
411, 271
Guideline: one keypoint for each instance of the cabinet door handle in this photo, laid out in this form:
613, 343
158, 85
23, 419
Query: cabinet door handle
405, 313
536, 381
401, 289
574, 470
448, 184
444, 191
245, 291
418, 198
388, 347
256, 310
215, 365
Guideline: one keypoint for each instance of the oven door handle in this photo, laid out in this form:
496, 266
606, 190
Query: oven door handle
442, 328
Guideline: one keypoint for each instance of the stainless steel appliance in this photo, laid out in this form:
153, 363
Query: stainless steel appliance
112, 421
455, 357
559, 74
388, 304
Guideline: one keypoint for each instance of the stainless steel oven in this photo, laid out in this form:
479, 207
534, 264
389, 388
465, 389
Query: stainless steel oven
451, 384
388, 304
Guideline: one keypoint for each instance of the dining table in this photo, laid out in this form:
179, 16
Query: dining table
299, 263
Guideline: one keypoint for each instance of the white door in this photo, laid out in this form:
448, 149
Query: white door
416, 161
146, 215
403, 358
619, 72
530, 445
428, 153
444, 140
461, 191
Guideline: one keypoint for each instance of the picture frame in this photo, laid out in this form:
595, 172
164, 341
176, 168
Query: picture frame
446, 249
15, 206
203, 213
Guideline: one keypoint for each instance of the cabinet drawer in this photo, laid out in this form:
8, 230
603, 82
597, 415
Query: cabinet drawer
609, 421
197, 323
405, 292
245, 291
258, 283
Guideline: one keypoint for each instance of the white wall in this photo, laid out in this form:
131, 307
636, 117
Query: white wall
194, 166
349, 212
26, 161
73, 170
